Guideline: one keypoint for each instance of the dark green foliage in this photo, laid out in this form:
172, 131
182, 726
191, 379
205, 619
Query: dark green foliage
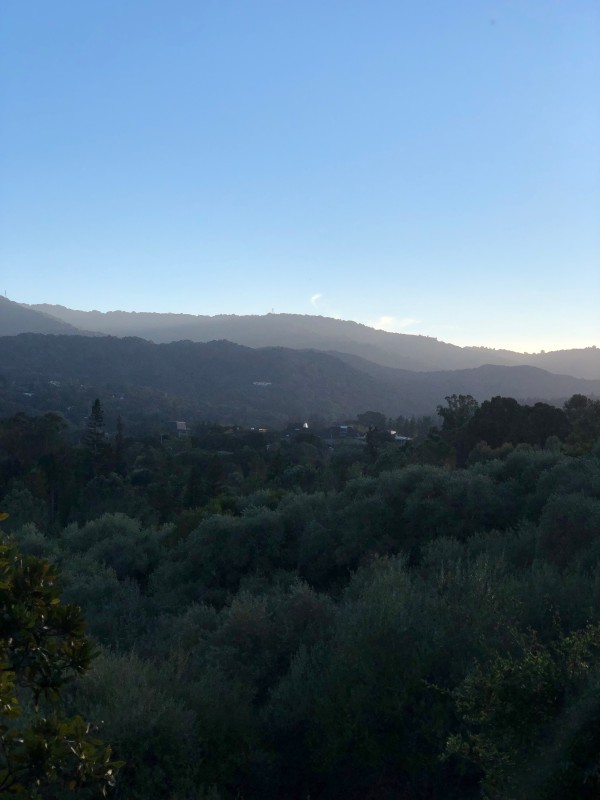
29, 439
497, 423
532, 719
323, 623
42, 648
373, 419
568, 523
583, 414
94, 433
22, 507
117, 541
545, 421
112, 493
458, 411
119, 452
145, 717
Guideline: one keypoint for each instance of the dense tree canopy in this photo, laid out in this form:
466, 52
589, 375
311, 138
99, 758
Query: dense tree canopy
294, 614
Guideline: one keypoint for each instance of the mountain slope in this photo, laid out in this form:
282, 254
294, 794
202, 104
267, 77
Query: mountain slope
232, 383
220, 380
15, 319
522, 381
401, 351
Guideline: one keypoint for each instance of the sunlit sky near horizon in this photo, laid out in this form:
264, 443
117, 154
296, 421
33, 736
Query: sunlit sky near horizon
429, 168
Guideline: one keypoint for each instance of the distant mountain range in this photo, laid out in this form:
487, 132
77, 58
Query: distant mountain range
398, 350
258, 369
231, 383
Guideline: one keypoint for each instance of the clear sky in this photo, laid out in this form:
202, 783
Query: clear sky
429, 167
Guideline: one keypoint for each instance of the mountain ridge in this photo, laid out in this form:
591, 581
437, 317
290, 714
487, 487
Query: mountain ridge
303, 331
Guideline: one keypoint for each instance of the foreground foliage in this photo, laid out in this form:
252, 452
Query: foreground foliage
533, 718
42, 648
368, 622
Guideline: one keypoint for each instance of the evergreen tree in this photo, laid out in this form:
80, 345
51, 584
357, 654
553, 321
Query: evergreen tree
94, 433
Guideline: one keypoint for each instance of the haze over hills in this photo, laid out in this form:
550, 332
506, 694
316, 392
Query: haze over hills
401, 351
15, 318
266, 369
231, 383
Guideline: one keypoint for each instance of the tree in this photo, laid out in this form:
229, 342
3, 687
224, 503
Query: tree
531, 719
376, 438
373, 419
584, 415
459, 410
94, 432
42, 648
544, 421
499, 420
570, 522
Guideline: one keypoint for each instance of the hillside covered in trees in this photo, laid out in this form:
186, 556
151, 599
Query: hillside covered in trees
225, 382
299, 615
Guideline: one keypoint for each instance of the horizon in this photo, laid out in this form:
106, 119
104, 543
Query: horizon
429, 170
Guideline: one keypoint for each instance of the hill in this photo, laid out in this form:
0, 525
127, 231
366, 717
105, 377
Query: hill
398, 350
230, 383
215, 380
16, 318
524, 382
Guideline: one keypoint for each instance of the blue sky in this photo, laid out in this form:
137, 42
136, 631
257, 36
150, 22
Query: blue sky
428, 167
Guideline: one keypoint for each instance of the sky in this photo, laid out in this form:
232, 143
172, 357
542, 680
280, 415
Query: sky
426, 167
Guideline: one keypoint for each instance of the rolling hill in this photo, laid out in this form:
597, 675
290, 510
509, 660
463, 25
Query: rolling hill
231, 383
